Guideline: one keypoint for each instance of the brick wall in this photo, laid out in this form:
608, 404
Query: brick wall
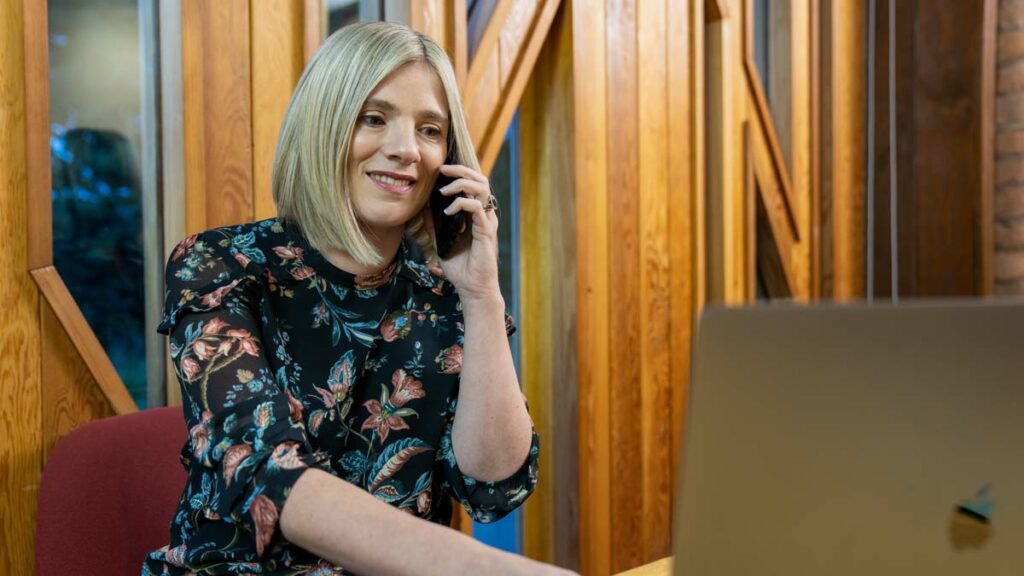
1009, 193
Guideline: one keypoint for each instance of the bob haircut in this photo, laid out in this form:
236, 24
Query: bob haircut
310, 171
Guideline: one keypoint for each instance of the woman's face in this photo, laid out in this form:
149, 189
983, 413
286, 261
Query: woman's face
398, 145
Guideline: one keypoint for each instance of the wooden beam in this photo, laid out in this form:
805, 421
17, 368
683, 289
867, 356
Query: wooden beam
524, 59
71, 396
20, 358
478, 66
986, 226
95, 357
314, 27
848, 149
37, 138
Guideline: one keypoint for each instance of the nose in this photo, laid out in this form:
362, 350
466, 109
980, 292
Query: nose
400, 145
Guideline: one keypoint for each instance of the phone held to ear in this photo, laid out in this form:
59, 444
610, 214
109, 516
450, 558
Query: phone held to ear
447, 229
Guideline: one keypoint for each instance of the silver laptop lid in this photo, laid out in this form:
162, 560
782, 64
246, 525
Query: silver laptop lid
855, 440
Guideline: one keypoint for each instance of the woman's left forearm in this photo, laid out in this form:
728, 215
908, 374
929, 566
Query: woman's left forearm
492, 431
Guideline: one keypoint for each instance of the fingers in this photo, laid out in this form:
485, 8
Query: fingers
460, 171
485, 219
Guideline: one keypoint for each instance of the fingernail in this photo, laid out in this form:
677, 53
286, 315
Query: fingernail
449, 210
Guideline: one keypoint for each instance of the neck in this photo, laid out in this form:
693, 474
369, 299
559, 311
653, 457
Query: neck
386, 243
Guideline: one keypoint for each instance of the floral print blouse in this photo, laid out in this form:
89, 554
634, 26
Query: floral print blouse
286, 363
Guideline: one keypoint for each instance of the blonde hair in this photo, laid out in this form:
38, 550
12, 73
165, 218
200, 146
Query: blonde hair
310, 171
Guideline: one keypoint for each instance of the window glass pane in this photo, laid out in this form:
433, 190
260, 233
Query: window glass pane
97, 140
504, 179
772, 40
341, 13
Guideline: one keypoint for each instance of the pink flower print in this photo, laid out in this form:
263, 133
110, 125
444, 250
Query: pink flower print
383, 421
396, 326
246, 342
302, 272
176, 555
406, 388
224, 348
286, 456
288, 252
242, 259
183, 246
250, 347
212, 300
450, 360
190, 368
214, 326
233, 457
203, 351
200, 435
264, 517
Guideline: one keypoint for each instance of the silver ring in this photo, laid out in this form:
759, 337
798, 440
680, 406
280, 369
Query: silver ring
491, 204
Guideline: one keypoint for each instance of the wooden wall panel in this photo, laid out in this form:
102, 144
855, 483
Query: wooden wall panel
638, 190
20, 385
590, 143
548, 289
848, 33
71, 395
686, 203
278, 59
942, 234
624, 288
656, 394
217, 86
500, 69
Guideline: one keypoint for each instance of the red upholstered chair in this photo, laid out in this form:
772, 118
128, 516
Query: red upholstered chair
108, 492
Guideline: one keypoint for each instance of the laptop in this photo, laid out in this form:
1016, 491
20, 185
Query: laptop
859, 439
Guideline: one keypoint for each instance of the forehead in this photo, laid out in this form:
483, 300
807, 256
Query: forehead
413, 88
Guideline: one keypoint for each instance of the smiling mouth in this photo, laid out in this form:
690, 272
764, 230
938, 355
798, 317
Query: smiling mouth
392, 184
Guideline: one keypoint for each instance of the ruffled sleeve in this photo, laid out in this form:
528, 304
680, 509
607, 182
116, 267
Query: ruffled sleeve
487, 501
248, 444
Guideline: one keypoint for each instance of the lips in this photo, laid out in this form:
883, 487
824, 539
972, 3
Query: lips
394, 183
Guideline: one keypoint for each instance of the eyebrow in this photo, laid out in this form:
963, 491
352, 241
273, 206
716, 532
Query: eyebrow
389, 107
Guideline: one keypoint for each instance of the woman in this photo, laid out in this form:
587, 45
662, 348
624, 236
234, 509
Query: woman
322, 354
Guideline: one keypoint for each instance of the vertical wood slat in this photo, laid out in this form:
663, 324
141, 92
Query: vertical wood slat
655, 307
686, 129
278, 59
218, 113
20, 384
735, 110
37, 121
548, 285
458, 41
986, 229
624, 290
590, 140
314, 27
848, 151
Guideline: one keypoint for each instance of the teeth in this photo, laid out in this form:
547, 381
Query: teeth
389, 180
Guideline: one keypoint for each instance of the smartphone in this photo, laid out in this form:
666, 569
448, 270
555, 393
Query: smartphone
447, 229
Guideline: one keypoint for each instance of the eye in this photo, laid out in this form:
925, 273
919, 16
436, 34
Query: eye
432, 132
371, 120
